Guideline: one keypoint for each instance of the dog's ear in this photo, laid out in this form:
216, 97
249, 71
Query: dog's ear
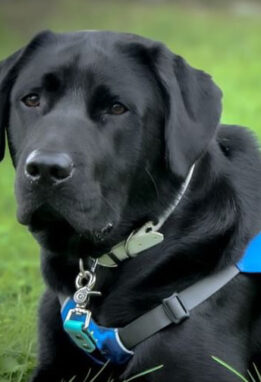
193, 109
6, 79
192, 102
9, 69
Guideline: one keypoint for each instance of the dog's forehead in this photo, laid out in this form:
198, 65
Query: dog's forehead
99, 51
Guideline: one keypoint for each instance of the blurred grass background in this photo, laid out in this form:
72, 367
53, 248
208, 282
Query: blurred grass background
220, 37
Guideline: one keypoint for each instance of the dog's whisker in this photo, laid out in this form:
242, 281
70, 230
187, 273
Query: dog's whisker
109, 204
153, 181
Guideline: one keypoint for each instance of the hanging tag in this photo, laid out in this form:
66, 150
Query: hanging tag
145, 238
139, 243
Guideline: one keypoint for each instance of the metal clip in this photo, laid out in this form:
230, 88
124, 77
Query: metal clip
84, 283
77, 327
82, 296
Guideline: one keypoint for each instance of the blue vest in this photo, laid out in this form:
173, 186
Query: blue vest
251, 261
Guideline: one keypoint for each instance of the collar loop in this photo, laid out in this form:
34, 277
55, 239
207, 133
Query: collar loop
145, 237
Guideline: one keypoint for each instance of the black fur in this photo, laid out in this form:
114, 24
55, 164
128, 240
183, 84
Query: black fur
127, 170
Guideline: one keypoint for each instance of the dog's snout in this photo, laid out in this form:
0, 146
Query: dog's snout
48, 166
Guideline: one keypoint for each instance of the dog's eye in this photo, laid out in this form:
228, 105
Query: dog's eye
31, 100
117, 109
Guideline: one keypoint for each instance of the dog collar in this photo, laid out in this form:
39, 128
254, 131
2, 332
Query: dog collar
116, 345
145, 237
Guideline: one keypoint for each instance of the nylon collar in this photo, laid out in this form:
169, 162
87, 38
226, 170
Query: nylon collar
145, 237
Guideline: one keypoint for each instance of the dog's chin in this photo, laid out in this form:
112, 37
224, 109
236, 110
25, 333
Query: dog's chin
46, 218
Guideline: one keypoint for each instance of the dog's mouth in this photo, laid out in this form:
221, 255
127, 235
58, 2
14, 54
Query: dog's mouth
47, 218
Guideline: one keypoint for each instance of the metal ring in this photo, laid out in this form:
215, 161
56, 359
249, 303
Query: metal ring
86, 275
81, 266
94, 263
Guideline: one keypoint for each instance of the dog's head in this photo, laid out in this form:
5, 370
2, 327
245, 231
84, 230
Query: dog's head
94, 120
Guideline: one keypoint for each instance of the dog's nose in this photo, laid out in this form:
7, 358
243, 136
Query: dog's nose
48, 166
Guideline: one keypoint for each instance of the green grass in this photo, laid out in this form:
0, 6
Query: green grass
221, 42
254, 376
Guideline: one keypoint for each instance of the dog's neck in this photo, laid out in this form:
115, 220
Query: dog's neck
181, 252
144, 237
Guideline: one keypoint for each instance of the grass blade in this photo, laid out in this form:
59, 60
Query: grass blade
230, 368
251, 376
257, 372
87, 376
72, 379
99, 372
144, 373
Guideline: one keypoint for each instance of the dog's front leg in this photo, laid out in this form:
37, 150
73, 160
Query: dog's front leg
58, 358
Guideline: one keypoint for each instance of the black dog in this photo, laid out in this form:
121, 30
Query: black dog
103, 129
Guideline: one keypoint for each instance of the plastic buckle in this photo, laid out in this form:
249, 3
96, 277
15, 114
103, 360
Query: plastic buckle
175, 309
78, 330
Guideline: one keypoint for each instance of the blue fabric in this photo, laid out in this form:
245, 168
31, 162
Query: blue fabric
106, 339
251, 261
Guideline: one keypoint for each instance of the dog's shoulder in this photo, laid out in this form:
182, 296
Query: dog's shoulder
238, 142
242, 168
